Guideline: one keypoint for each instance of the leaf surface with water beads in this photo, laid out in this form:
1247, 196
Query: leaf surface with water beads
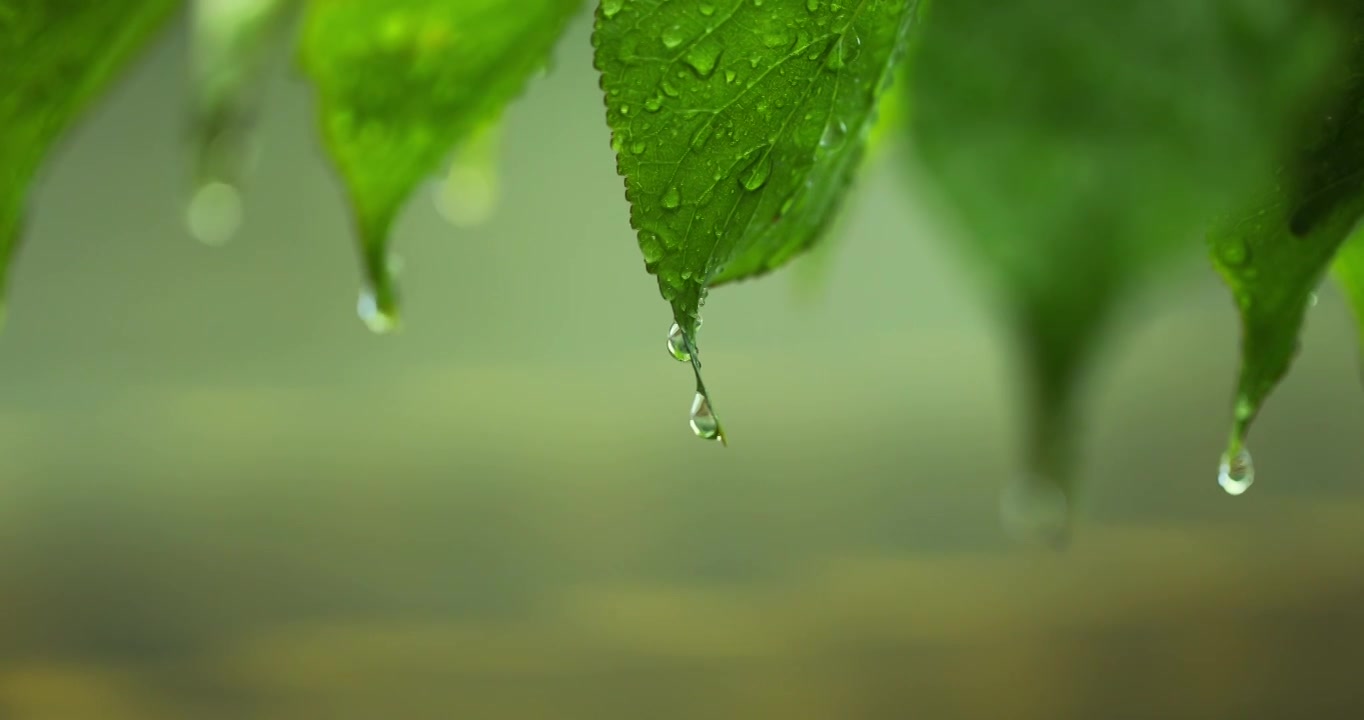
1274, 251
738, 125
1081, 146
399, 84
55, 58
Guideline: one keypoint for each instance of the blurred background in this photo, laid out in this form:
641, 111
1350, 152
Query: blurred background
221, 497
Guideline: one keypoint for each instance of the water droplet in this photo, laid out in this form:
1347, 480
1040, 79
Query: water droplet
377, 320
672, 37
729, 76
669, 89
651, 245
702, 58
672, 198
812, 5
609, 8
755, 175
214, 213
468, 196
637, 147
703, 421
653, 104
845, 50
677, 344
1236, 474
834, 134
707, 9
1312, 300
1036, 509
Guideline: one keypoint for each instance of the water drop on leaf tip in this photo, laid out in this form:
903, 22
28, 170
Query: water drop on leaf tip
1236, 474
379, 321
703, 421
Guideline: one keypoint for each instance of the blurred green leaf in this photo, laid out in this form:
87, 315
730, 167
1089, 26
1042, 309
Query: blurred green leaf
56, 56
1082, 145
400, 83
1349, 273
737, 126
1274, 252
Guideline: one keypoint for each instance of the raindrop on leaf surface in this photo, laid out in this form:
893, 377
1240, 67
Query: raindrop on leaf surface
677, 344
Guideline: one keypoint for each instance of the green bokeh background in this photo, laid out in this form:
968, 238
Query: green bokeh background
220, 497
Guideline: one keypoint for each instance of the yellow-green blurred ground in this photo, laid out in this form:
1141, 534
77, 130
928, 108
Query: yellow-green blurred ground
221, 498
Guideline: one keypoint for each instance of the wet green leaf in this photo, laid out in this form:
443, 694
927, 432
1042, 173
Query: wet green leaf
1082, 145
56, 56
737, 126
400, 83
1274, 251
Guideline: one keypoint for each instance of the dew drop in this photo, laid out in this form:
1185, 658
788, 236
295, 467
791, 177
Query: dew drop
672, 198
672, 37
677, 344
1236, 474
609, 8
669, 89
703, 58
214, 213
707, 9
653, 104
377, 320
651, 245
755, 175
703, 421
812, 5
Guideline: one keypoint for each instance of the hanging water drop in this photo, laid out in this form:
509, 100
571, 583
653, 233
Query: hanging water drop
703, 421
677, 344
1236, 474
378, 320
214, 213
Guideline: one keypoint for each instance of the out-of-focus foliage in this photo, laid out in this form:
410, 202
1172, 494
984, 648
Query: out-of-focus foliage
400, 83
55, 56
1082, 145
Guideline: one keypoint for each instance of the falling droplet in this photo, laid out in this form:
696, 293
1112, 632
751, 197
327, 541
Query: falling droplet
703, 421
834, 134
677, 344
755, 175
1236, 473
378, 320
214, 213
1036, 509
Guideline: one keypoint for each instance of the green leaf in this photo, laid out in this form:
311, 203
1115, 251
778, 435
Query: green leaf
400, 83
1274, 252
737, 126
1349, 273
1082, 145
56, 57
